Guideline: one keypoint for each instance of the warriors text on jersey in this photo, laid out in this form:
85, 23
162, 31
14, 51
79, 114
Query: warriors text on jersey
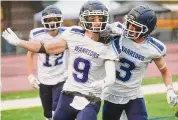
131, 68
86, 64
50, 67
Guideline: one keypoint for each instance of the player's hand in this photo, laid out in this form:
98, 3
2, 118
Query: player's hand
11, 37
172, 98
109, 34
34, 82
115, 30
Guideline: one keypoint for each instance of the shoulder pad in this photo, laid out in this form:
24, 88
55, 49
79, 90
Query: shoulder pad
156, 44
38, 31
77, 30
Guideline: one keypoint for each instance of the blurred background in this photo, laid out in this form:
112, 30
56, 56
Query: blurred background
23, 16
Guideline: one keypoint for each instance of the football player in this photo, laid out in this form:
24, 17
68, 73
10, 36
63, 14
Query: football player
89, 57
138, 50
51, 68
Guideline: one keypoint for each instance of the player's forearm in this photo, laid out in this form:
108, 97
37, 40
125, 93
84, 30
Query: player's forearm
55, 47
161, 65
32, 46
167, 77
110, 72
29, 63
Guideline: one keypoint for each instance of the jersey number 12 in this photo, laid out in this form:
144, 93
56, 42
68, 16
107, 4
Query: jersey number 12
57, 61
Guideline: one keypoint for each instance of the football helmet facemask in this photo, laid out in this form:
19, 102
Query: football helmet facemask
91, 11
51, 18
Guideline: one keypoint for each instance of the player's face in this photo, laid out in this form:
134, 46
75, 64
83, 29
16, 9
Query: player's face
52, 21
132, 29
95, 21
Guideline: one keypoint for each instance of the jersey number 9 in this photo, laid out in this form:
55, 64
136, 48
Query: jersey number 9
81, 67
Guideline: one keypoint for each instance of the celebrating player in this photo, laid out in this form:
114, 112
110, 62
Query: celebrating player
50, 68
138, 50
89, 57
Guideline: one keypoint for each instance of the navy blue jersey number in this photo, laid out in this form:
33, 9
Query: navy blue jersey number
125, 68
81, 67
58, 60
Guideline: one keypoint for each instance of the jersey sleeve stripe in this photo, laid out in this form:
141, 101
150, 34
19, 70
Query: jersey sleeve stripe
156, 44
78, 31
155, 47
116, 45
38, 32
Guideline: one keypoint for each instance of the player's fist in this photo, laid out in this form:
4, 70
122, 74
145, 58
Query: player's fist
33, 81
110, 33
11, 37
114, 29
172, 97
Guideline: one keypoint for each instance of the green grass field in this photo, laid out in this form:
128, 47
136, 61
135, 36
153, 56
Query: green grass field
34, 93
19, 95
156, 107
157, 80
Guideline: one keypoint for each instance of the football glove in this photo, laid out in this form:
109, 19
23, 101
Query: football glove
172, 98
34, 82
11, 37
110, 33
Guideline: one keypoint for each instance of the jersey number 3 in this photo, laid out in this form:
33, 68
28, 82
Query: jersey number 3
124, 73
81, 67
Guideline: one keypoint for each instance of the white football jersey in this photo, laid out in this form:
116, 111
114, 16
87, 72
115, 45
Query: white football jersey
50, 67
86, 64
131, 69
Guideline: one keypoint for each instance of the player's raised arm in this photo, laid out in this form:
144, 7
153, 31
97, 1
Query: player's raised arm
50, 48
56, 46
